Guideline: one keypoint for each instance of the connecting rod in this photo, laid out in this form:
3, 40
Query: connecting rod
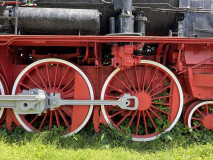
38, 101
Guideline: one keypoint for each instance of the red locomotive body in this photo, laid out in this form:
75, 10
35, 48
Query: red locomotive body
123, 79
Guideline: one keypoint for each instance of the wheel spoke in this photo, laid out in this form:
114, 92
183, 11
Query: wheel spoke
34, 81
151, 119
113, 97
42, 123
64, 118
130, 80
206, 109
25, 86
145, 126
119, 90
68, 92
116, 113
200, 112
56, 75
161, 97
159, 110
150, 82
57, 119
36, 117
124, 118
164, 104
157, 84
39, 75
136, 77
48, 76
197, 119
123, 84
64, 76
200, 124
67, 112
66, 96
130, 122
67, 85
144, 78
154, 113
159, 91
51, 120
138, 122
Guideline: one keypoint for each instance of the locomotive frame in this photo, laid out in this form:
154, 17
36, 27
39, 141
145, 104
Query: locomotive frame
120, 77
130, 76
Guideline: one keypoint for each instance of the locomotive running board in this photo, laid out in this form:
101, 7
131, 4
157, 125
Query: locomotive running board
37, 101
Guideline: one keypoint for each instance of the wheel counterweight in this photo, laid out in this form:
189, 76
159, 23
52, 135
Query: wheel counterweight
160, 100
56, 76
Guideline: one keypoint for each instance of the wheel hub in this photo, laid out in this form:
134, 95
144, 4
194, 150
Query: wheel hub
144, 101
207, 122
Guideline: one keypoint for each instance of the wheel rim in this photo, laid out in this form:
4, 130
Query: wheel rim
160, 98
3, 91
57, 76
200, 115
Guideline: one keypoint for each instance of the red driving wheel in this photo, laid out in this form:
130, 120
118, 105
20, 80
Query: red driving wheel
160, 100
56, 76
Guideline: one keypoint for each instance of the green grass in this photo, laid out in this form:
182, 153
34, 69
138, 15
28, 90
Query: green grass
108, 144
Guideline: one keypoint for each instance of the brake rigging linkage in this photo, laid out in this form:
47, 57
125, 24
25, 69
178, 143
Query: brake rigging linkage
37, 101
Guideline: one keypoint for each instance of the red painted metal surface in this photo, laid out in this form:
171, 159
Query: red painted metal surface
79, 112
53, 40
190, 59
123, 56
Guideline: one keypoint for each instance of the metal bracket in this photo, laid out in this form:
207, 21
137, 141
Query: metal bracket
33, 101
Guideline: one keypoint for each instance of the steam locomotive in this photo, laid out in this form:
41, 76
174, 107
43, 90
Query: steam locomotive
131, 64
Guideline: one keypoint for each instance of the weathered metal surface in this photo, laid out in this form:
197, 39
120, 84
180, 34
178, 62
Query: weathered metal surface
197, 24
160, 15
159, 22
59, 21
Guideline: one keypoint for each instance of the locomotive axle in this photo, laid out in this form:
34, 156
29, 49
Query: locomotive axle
37, 101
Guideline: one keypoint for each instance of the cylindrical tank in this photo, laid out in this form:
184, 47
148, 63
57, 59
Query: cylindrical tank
59, 21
